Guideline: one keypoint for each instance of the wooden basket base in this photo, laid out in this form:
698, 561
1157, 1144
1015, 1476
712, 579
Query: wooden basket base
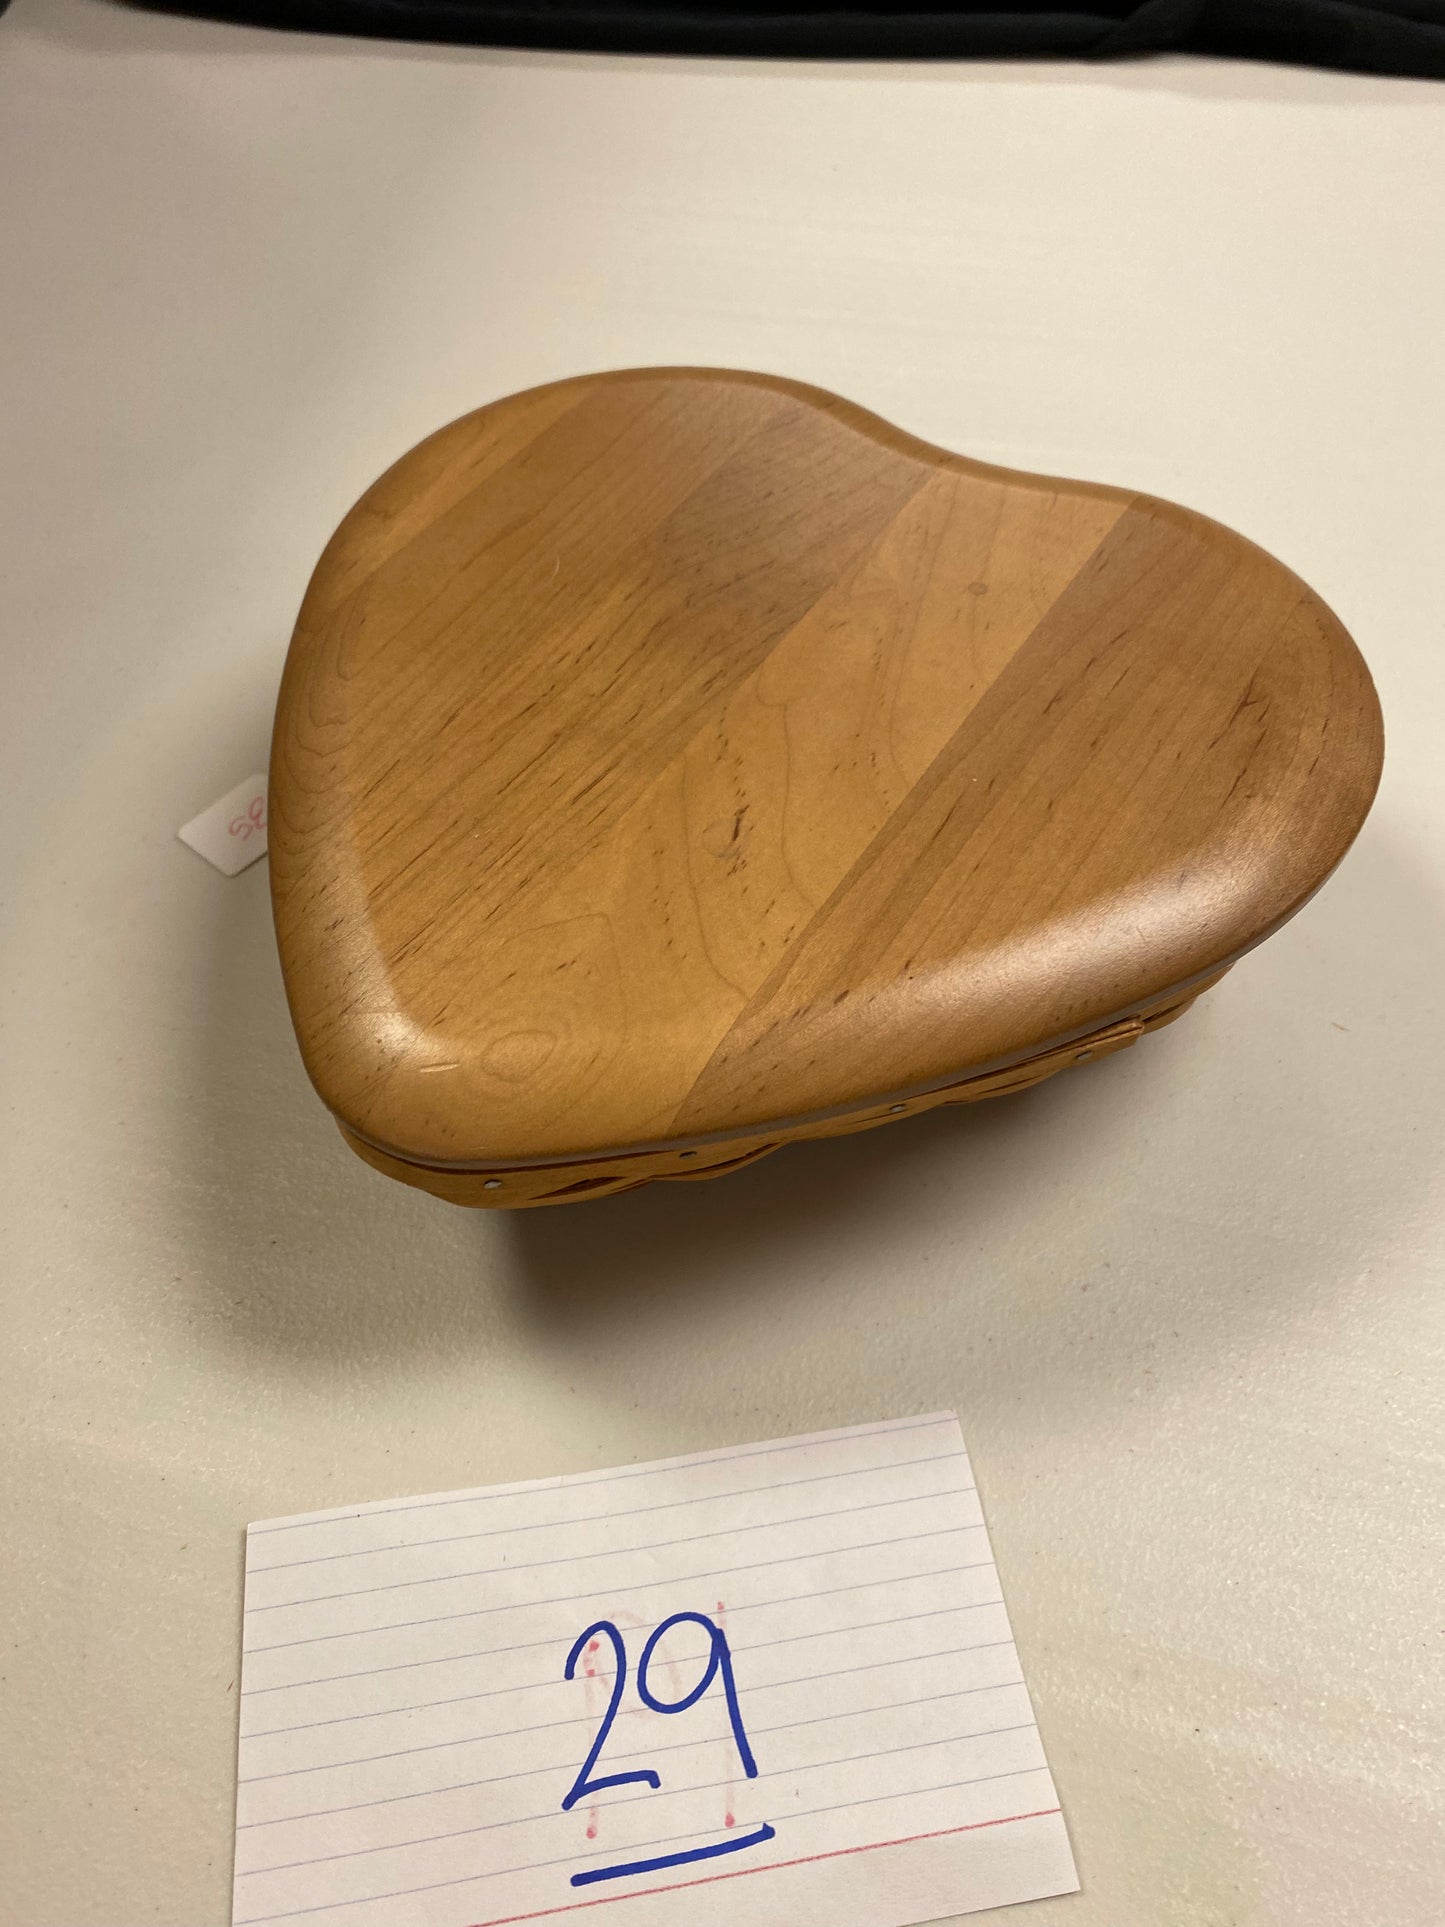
510, 1189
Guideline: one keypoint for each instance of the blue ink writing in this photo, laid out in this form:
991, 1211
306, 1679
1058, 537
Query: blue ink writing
719, 1662
676, 1859
582, 1786
720, 1659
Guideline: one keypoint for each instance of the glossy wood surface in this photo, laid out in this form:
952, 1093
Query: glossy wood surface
679, 757
597, 1177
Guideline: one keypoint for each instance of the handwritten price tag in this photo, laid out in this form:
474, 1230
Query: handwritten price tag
232, 832
771, 1684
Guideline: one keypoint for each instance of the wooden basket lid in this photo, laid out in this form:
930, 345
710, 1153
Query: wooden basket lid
666, 754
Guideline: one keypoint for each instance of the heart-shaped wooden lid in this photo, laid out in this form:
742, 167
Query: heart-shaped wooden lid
667, 755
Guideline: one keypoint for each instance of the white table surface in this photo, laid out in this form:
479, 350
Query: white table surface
1188, 1302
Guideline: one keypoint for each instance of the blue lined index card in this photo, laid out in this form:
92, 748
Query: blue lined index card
779, 1677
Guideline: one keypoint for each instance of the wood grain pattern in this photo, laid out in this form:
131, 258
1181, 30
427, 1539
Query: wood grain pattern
597, 1177
680, 759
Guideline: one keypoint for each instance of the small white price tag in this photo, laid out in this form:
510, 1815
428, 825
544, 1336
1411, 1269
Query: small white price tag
231, 833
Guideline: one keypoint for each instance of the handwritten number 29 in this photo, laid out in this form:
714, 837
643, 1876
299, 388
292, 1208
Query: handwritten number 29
719, 1660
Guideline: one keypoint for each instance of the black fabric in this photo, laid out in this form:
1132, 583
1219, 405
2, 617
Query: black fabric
1405, 38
